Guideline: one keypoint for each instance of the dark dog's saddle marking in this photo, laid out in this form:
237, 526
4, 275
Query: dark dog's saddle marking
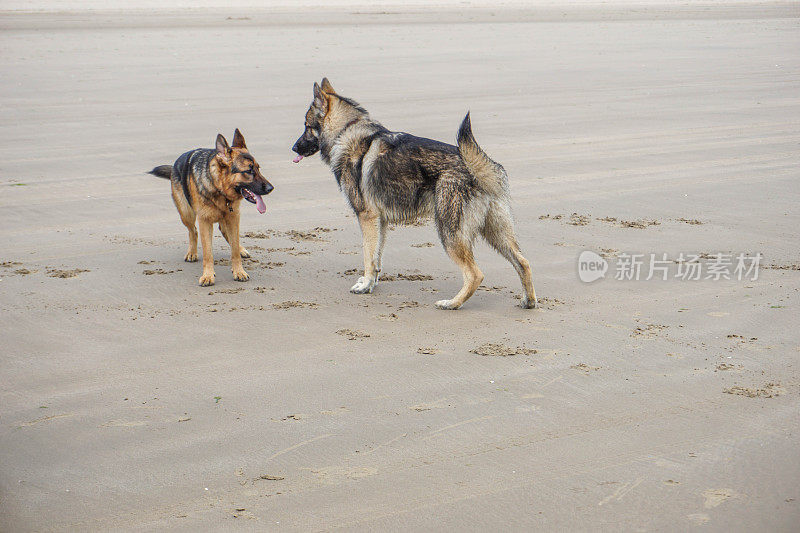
193, 162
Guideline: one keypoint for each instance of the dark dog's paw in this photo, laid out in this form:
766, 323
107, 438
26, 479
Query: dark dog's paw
206, 280
191, 257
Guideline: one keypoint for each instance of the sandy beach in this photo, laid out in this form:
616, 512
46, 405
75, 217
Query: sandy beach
134, 399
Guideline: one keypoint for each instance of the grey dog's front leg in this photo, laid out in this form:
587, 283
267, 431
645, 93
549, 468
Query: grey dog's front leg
370, 235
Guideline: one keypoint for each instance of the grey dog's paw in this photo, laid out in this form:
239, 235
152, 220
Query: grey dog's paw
448, 305
363, 286
529, 304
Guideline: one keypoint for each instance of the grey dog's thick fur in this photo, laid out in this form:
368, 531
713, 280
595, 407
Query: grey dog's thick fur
394, 177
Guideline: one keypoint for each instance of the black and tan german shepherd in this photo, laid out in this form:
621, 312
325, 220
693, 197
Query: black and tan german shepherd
393, 177
208, 184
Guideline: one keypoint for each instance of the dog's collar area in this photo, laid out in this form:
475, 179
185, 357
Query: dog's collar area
350, 124
355, 120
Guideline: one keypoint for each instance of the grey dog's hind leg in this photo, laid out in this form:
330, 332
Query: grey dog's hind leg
461, 253
499, 233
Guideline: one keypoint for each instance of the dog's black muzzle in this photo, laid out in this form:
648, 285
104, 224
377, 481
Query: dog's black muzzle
306, 147
261, 188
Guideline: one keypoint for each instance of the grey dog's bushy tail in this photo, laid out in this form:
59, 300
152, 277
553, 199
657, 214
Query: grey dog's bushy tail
490, 175
162, 171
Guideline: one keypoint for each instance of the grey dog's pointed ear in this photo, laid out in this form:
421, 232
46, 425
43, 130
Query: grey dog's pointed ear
238, 140
223, 150
327, 87
320, 99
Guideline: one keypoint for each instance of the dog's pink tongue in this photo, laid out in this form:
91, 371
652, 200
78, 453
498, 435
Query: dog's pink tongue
297, 159
262, 208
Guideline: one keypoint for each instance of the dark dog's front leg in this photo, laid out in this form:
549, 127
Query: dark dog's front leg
243, 251
206, 233
231, 224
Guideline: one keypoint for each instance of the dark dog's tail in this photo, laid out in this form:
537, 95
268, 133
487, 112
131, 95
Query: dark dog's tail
490, 174
162, 171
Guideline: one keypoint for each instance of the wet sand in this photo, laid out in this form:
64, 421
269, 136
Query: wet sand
133, 399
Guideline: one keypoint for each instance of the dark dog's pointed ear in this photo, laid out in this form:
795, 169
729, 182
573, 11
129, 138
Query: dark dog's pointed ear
238, 140
327, 87
223, 150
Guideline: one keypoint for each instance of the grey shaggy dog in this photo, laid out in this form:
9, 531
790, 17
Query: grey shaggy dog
394, 177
